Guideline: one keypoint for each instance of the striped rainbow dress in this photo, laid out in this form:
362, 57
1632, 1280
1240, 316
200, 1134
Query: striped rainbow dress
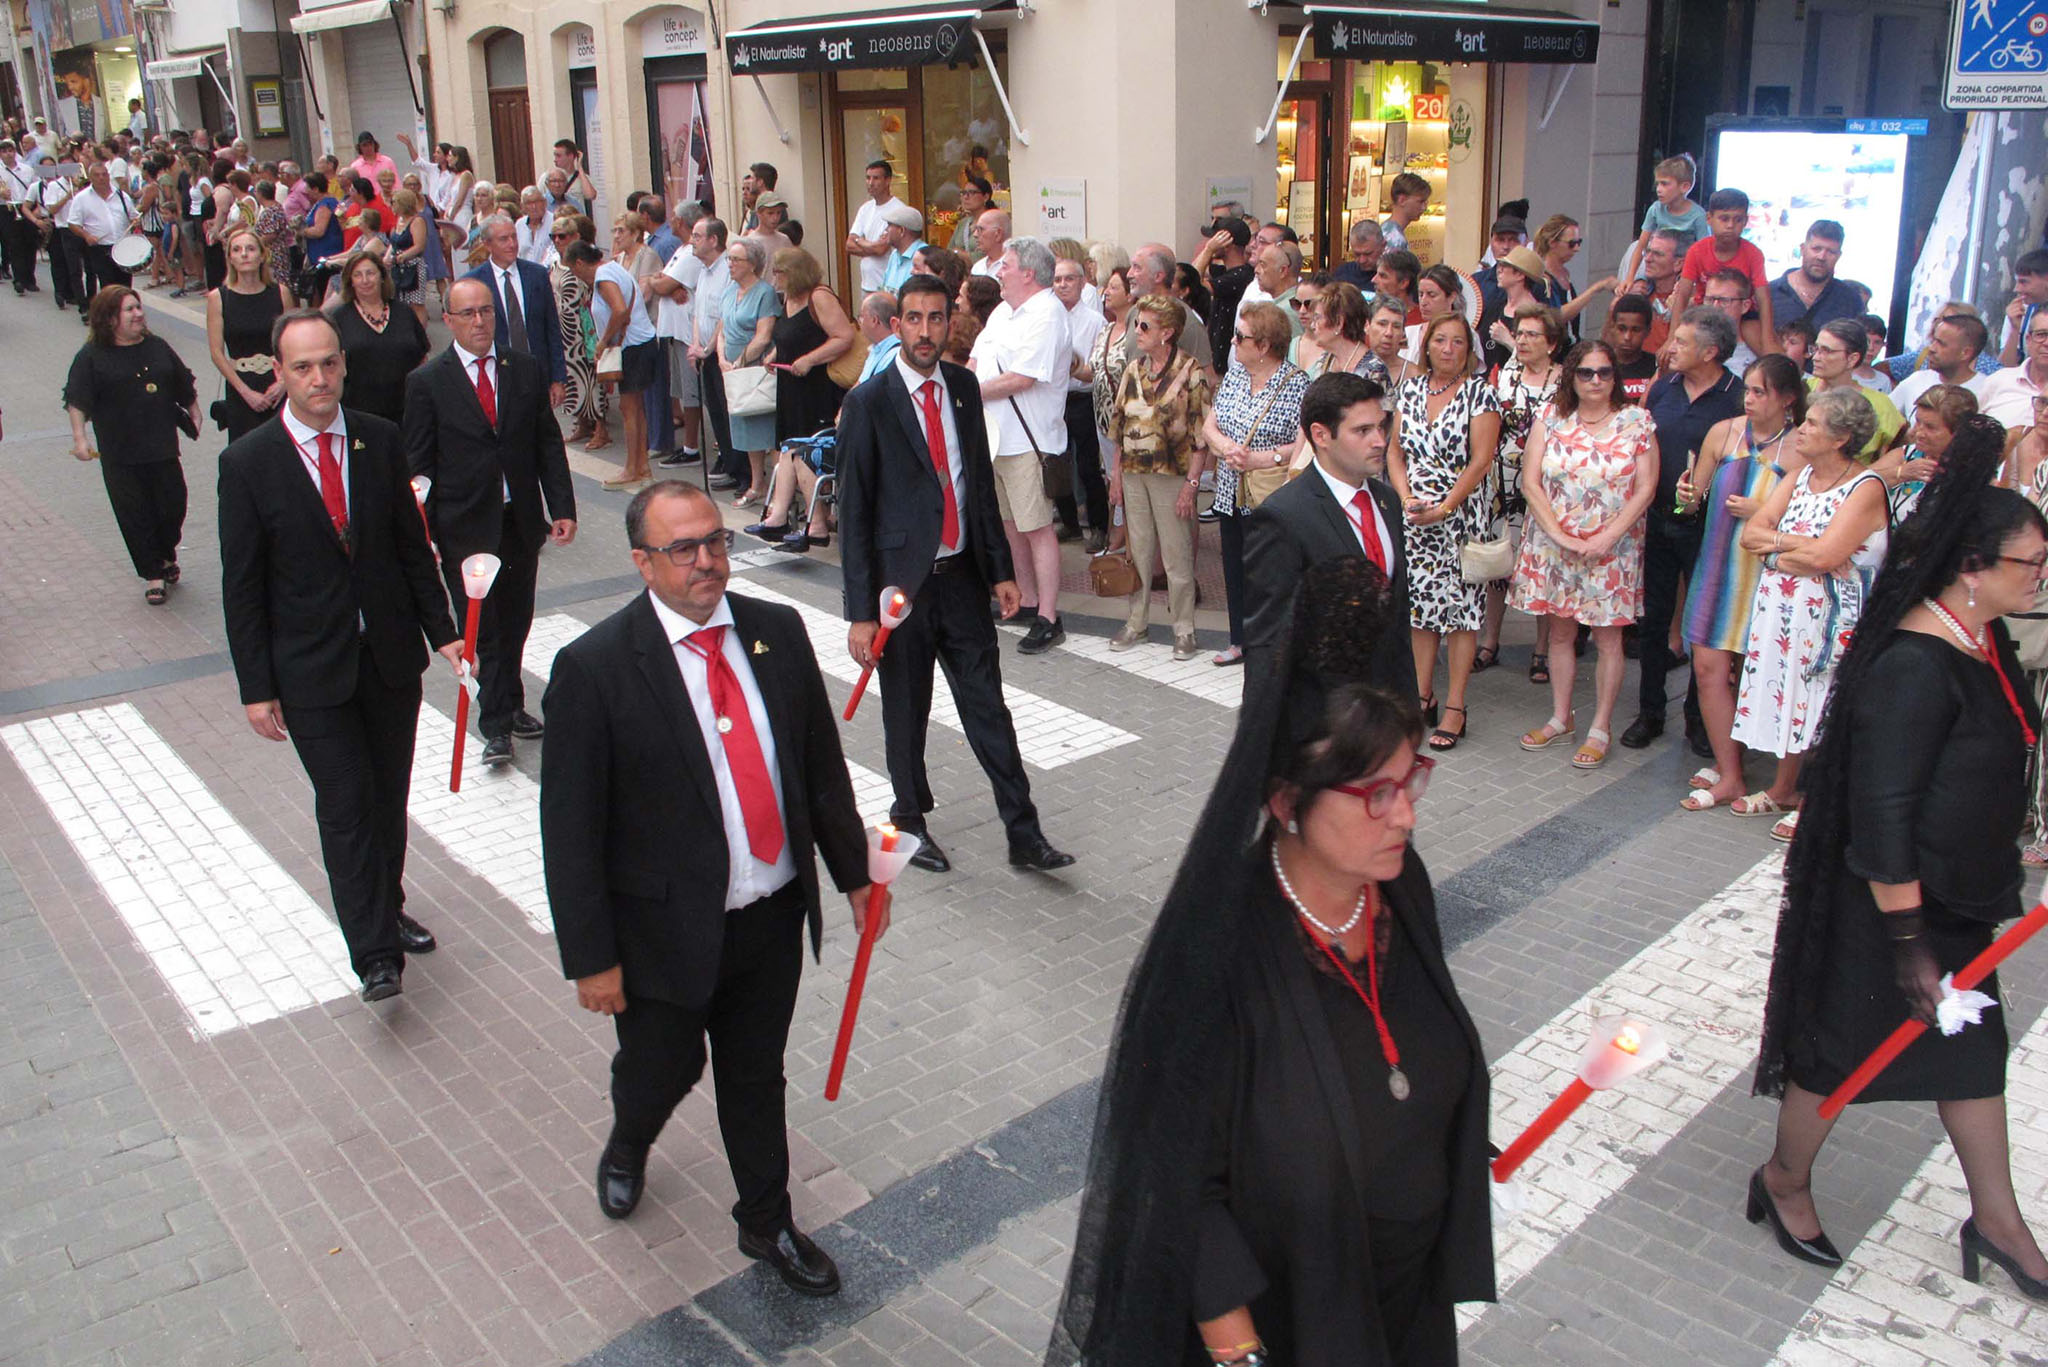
1724, 576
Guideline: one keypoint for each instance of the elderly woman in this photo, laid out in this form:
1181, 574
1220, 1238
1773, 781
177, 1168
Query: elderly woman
1822, 536
1253, 432
321, 235
1151, 438
2026, 452
583, 398
238, 319
434, 269
383, 344
1938, 414
275, 228
1523, 384
1386, 332
748, 312
135, 391
812, 332
1907, 861
1740, 461
1591, 473
1446, 435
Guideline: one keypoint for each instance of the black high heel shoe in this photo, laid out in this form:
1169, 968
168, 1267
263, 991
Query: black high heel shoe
1976, 1246
1819, 1250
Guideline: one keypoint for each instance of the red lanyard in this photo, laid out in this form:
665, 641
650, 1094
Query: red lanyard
1989, 650
1388, 1049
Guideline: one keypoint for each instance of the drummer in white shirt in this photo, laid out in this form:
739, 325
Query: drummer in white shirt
101, 216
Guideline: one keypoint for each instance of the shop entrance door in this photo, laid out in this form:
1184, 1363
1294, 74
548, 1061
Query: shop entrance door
872, 125
512, 134
1306, 173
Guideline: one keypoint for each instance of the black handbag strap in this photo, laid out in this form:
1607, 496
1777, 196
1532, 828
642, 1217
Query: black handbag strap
1029, 436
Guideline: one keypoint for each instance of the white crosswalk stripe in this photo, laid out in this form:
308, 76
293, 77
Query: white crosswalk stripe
237, 940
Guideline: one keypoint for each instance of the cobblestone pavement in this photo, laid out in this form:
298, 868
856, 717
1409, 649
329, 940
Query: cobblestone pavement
210, 1151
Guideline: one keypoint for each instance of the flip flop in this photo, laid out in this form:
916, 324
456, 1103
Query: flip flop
1756, 804
1704, 778
1787, 828
1701, 800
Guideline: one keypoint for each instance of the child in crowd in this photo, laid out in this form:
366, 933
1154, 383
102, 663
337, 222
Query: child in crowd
1725, 249
1672, 211
1871, 374
1796, 340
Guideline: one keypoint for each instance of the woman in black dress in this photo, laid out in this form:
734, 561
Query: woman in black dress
1907, 857
1290, 1152
812, 332
138, 395
383, 344
238, 319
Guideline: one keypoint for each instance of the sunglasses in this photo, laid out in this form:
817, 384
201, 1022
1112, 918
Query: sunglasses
1594, 372
1575, 242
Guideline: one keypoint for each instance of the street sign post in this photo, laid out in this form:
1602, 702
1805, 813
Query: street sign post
1997, 55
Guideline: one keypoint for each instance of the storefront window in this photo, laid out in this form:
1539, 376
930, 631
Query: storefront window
895, 78
965, 133
1400, 123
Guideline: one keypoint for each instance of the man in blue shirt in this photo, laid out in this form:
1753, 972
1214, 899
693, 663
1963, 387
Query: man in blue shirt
876, 320
903, 230
1811, 290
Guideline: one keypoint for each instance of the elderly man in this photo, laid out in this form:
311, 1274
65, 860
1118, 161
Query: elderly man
876, 319
991, 231
524, 298
1023, 358
1276, 275
100, 215
675, 380
771, 211
707, 244
2009, 394
1084, 449
975, 197
555, 184
868, 238
1811, 290
1152, 270
534, 227
1366, 243
1952, 351
903, 231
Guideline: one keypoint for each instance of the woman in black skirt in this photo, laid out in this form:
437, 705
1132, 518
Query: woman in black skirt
138, 395
1907, 857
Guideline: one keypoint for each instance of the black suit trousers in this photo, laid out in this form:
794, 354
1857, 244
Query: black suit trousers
18, 236
1084, 452
711, 392
149, 507
100, 270
949, 625
1668, 556
66, 275
746, 1023
502, 629
359, 756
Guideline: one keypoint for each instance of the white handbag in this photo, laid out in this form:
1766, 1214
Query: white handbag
1484, 562
749, 391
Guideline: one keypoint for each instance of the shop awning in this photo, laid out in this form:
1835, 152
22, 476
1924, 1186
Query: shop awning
903, 35
176, 68
1451, 32
343, 16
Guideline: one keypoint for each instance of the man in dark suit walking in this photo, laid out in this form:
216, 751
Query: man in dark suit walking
477, 423
1340, 505
940, 539
524, 298
692, 767
328, 585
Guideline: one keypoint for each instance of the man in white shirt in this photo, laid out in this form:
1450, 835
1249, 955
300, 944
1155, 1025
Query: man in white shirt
45, 141
867, 240
20, 188
1023, 359
1953, 347
1084, 449
138, 122
707, 304
991, 231
100, 215
674, 287
2008, 395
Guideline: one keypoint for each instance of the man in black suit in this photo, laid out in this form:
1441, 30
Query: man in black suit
941, 541
477, 423
1340, 505
691, 768
328, 585
525, 300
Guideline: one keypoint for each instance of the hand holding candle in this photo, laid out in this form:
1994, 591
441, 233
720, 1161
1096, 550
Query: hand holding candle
1620, 1047
479, 572
895, 608
888, 851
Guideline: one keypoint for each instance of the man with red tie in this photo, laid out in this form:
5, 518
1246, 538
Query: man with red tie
328, 586
1340, 505
917, 511
691, 769
477, 423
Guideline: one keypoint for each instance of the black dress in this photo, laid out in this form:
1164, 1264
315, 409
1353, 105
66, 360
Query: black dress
1937, 792
378, 362
245, 321
132, 396
803, 403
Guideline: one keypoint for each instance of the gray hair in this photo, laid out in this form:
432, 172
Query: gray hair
1034, 256
756, 254
496, 221
880, 306
1846, 415
1711, 327
1674, 237
1366, 230
688, 212
1158, 261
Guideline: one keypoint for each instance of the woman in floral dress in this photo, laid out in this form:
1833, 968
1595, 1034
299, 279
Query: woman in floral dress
1589, 476
1822, 536
1446, 431
1523, 384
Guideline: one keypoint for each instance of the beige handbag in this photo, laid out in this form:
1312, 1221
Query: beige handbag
611, 365
749, 391
1487, 562
1256, 486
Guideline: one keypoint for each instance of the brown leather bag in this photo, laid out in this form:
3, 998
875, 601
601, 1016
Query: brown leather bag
1113, 574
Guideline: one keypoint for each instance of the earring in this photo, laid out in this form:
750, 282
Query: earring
1973, 595
1293, 826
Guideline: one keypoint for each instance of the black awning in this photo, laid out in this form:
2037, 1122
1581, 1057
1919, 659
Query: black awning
1451, 32
905, 35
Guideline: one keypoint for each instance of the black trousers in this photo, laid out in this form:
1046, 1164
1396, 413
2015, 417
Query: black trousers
711, 391
746, 1023
359, 756
1233, 572
949, 625
19, 240
501, 629
67, 279
661, 418
149, 507
1084, 450
99, 267
1668, 555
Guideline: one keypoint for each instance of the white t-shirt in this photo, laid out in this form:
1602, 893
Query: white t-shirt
987, 265
1908, 390
638, 328
708, 299
672, 312
105, 220
868, 223
1084, 325
1031, 340
534, 243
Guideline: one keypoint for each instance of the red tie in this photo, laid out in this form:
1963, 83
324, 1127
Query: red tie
742, 747
485, 395
1368, 531
331, 492
935, 438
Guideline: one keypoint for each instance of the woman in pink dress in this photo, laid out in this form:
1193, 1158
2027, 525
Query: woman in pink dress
1589, 473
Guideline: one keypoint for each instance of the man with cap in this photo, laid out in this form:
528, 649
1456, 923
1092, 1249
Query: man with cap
903, 230
771, 211
45, 142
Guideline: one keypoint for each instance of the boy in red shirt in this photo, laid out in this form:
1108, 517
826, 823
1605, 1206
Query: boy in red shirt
1727, 215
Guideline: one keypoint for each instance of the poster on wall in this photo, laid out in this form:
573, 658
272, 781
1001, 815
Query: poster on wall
81, 105
1362, 192
269, 99
1063, 207
685, 141
1301, 208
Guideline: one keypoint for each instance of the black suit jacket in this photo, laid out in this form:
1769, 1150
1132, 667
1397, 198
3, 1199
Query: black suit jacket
543, 324
1300, 525
891, 505
295, 597
448, 439
630, 825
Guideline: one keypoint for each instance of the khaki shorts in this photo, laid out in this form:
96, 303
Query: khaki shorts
1020, 492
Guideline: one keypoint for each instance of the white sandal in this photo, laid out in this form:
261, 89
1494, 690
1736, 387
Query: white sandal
1704, 778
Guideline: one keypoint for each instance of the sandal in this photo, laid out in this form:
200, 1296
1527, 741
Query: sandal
1704, 778
1427, 706
1552, 730
1593, 753
1539, 668
2035, 856
1700, 800
172, 574
1441, 739
1486, 657
1787, 828
749, 499
156, 595
1756, 804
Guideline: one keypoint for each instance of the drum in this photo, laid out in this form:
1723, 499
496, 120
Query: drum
131, 253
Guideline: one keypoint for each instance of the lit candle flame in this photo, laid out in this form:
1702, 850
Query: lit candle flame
1628, 1041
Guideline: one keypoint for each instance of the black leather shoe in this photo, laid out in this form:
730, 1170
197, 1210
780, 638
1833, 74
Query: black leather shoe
805, 1268
930, 857
1042, 637
1976, 1248
1819, 1250
381, 981
413, 937
1641, 732
526, 726
800, 543
721, 483
620, 1180
1038, 854
498, 751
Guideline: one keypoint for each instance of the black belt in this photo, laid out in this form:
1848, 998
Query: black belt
958, 563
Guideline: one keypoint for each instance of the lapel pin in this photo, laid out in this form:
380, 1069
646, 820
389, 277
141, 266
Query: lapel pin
760, 647
358, 445
149, 387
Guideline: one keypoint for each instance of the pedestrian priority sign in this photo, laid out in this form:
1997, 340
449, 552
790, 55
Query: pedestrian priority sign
1997, 55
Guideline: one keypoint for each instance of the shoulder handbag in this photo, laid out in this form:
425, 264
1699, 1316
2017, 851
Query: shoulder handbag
1256, 486
749, 391
1054, 474
845, 369
1113, 574
611, 365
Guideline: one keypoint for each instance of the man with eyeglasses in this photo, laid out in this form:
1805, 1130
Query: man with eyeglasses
690, 780
1838, 352
2009, 395
1729, 292
478, 424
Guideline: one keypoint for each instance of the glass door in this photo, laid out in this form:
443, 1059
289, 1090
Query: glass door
872, 125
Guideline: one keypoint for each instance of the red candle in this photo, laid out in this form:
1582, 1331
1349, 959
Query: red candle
878, 906
1617, 1049
895, 607
469, 625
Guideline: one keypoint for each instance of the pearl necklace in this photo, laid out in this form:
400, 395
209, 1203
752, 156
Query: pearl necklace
1954, 627
1329, 932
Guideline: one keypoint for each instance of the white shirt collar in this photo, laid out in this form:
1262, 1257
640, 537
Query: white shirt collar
914, 381
1343, 492
306, 436
675, 626
469, 359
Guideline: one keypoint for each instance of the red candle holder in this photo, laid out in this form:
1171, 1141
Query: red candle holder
479, 572
889, 850
894, 611
1619, 1048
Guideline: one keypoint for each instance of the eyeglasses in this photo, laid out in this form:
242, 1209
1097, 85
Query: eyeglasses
475, 315
559, 236
1723, 301
683, 554
1240, 336
2038, 335
1594, 372
1378, 795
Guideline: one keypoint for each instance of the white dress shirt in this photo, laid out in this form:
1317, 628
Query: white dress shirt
747, 879
19, 183
1084, 325
1031, 340
1344, 494
2008, 395
707, 301
104, 218
506, 278
307, 440
470, 366
915, 383
534, 243
672, 312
